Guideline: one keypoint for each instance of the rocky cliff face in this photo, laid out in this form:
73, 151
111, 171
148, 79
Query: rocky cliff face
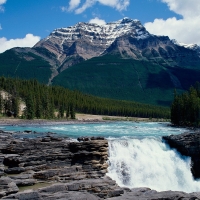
187, 144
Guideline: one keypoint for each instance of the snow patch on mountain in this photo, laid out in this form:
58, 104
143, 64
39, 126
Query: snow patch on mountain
194, 47
105, 34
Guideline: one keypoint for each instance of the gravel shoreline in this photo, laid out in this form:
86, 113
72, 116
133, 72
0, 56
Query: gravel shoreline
14, 122
80, 118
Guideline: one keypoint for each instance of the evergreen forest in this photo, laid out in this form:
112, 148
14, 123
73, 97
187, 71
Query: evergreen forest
44, 101
185, 108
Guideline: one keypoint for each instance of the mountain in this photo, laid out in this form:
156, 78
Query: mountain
85, 40
126, 37
119, 60
193, 47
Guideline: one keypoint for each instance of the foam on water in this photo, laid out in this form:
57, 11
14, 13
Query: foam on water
149, 163
116, 129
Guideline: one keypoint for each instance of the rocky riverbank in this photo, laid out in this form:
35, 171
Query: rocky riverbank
51, 167
188, 144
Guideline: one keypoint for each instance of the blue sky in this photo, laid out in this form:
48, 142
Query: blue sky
24, 22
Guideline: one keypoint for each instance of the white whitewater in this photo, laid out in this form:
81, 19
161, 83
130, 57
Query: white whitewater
149, 163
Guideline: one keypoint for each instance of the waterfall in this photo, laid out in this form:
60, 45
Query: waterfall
149, 162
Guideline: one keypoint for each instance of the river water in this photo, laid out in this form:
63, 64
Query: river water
137, 155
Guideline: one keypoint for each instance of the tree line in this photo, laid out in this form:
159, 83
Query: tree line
185, 108
44, 101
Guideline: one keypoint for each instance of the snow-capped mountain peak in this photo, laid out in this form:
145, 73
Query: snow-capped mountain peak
126, 38
194, 47
89, 39
106, 34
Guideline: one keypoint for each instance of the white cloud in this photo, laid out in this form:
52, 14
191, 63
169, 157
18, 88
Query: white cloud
0, 27
1, 3
87, 4
185, 8
117, 4
96, 20
74, 4
29, 41
187, 29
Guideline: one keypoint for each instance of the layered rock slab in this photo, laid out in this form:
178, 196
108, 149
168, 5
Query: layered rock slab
99, 189
83, 189
148, 194
49, 153
50, 159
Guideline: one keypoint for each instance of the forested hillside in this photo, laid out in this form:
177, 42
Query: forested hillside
24, 65
185, 109
42, 101
111, 76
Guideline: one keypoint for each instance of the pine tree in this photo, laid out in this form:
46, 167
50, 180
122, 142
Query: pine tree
72, 112
38, 109
30, 107
8, 106
15, 106
51, 109
1, 104
61, 111
67, 112
185, 109
46, 105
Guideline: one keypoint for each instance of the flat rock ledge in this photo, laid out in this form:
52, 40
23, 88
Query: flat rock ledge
52, 167
188, 144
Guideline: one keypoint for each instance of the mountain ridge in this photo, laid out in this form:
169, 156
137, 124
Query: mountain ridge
88, 40
67, 52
